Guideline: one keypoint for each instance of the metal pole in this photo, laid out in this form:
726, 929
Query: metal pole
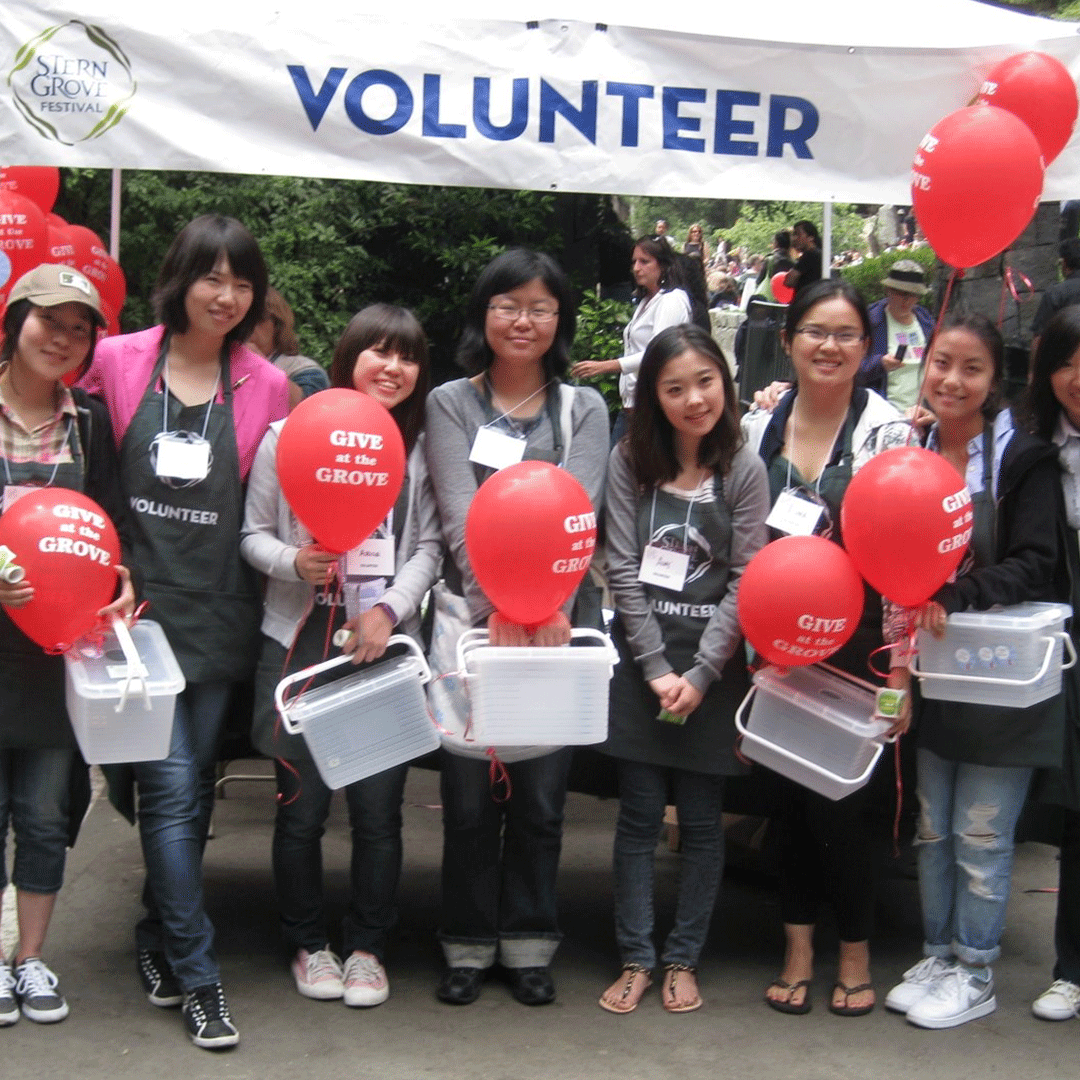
826, 239
114, 219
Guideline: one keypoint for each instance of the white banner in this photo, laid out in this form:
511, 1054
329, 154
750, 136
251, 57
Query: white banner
614, 104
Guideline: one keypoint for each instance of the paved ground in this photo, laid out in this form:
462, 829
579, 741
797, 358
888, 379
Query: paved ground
112, 1032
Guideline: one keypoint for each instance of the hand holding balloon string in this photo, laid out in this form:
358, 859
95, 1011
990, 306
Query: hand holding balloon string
555, 630
123, 607
314, 564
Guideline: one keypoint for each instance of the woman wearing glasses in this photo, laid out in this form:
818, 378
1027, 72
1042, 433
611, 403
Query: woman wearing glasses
662, 301
812, 443
189, 406
500, 858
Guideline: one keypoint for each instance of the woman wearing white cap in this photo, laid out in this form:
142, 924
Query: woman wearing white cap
901, 329
50, 436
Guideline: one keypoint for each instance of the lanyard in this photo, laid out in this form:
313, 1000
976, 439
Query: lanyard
821, 474
689, 508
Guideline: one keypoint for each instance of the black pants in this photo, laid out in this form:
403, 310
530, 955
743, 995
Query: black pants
1067, 927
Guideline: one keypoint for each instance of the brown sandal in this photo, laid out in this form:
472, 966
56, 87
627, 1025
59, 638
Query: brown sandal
622, 1004
671, 972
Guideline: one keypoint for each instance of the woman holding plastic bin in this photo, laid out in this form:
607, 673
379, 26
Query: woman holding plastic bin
975, 761
817, 437
189, 406
1053, 411
50, 436
500, 859
383, 353
681, 481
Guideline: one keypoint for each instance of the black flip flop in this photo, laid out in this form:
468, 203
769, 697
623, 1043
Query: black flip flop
787, 1006
847, 991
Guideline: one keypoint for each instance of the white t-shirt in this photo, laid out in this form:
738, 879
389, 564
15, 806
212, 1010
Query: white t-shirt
904, 381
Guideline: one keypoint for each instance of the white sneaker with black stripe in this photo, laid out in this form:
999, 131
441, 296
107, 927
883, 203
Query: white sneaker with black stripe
206, 1017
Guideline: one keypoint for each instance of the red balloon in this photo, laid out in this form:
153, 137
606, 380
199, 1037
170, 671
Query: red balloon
38, 183
61, 246
341, 463
530, 534
782, 292
906, 521
1038, 89
84, 241
104, 271
23, 238
975, 183
800, 599
69, 549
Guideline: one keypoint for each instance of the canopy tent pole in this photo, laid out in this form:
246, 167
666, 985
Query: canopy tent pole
826, 239
114, 217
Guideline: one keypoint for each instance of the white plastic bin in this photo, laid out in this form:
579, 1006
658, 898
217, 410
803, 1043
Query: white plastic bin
121, 694
814, 725
364, 723
538, 696
1008, 656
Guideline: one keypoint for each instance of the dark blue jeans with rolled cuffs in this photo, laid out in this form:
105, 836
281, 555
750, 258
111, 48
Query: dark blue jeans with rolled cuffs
500, 862
34, 800
176, 798
374, 806
643, 793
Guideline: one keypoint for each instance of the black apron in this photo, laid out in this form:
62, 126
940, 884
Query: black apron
186, 541
706, 742
994, 735
34, 713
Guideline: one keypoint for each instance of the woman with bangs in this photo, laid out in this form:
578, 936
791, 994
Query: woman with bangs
189, 406
383, 353
50, 436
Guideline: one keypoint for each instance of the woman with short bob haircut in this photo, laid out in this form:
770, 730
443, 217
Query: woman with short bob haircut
189, 405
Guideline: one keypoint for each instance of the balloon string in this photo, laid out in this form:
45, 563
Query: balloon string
899, 799
1008, 283
498, 774
955, 276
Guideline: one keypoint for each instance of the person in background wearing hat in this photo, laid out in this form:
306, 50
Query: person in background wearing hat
50, 436
901, 329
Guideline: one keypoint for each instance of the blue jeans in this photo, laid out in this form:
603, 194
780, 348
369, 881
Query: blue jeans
642, 797
176, 797
375, 819
967, 819
500, 862
34, 798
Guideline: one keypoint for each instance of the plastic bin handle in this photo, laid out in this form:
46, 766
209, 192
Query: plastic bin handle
473, 639
989, 680
134, 664
847, 781
304, 674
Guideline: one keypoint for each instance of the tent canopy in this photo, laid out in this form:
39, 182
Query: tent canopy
817, 101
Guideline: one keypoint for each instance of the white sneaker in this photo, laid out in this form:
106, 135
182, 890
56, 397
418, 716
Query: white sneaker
1060, 1002
9, 1007
365, 981
915, 982
318, 975
36, 989
954, 998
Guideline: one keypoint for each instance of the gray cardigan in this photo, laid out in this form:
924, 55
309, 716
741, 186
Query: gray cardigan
271, 537
746, 491
455, 411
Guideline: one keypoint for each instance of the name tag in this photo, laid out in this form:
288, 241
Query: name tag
14, 492
664, 567
794, 516
182, 458
496, 450
373, 558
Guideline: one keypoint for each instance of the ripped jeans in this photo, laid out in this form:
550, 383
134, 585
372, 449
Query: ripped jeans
967, 819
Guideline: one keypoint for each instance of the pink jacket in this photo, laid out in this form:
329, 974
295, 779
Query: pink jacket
121, 371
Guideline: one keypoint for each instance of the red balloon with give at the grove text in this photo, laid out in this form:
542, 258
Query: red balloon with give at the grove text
530, 534
68, 549
341, 463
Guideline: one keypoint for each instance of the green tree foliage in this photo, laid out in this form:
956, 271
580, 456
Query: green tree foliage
759, 221
867, 275
333, 246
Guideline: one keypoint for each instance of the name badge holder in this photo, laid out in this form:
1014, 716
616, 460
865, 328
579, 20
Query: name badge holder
495, 449
794, 515
663, 566
182, 458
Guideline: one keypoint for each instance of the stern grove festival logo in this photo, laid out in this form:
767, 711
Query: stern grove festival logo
72, 82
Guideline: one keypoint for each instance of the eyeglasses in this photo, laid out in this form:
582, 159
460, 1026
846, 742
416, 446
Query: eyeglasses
77, 332
817, 336
511, 313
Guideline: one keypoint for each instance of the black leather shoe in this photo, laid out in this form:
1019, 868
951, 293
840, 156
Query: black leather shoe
460, 985
531, 986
